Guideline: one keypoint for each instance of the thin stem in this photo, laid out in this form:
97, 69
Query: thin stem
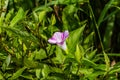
97, 28
110, 54
78, 69
107, 61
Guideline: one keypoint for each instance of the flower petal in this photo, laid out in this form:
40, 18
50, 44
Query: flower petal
63, 46
52, 40
65, 34
57, 36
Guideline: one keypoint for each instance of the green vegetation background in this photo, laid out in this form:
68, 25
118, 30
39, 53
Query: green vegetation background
93, 43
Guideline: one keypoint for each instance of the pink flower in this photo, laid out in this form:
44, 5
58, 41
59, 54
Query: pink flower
59, 39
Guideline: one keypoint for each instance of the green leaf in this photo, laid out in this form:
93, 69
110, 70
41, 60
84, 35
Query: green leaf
65, 21
111, 14
41, 54
78, 54
53, 20
7, 75
42, 15
95, 74
70, 9
88, 40
114, 71
100, 67
25, 35
8, 59
45, 71
35, 16
32, 64
56, 70
1, 21
54, 78
104, 11
74, 38
86, 71
38, 71
18, 73
115, 68
87, 62
27, 76
18, 17
71, 1
24, 48
6, 63
109, 32
92, 54
60, 57
1, 77
107, 61
9, 15
43, 8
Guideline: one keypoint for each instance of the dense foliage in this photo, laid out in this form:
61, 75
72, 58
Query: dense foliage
92, 45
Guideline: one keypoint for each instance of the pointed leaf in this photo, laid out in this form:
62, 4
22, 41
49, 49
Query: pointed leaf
87, 62
88, 40
42, 15
91, 55
78, 54
53, 20
59, 55
38, 71
74, 38
104, 11
18, 73
6, 63
45, 71
41, 54
1, 76
107, 61
18, 17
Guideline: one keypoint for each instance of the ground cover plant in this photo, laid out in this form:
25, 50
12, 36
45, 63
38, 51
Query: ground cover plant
59, 39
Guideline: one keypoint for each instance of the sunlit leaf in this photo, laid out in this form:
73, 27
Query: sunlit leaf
53, 20
45, 71
9, 15
60, 57
38, 71
35, 16
6, 63
32, 64
18, 73
1, 76
74, 38
18, 17
107, 61
92, 54
27, 76
22, 34
70, 9
41, 54
24, 48
78, 54
1, 23
87, 62
42, 15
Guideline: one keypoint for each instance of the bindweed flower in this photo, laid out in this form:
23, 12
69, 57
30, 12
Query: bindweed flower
59, 39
